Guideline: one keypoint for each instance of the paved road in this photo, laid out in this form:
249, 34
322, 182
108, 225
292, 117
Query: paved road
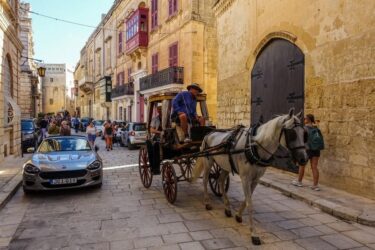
124, 215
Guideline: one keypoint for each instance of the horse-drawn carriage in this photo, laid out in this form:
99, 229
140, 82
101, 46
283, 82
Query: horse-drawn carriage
167, 151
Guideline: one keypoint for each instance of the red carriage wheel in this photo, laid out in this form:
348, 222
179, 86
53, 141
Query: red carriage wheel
169, 180
145, 168
213, 179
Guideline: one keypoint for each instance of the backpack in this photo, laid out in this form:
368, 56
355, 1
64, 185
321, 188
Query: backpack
315, 141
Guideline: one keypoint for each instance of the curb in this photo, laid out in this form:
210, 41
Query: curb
336, 210
10, 189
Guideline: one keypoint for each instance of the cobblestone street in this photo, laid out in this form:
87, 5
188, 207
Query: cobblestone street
125, 215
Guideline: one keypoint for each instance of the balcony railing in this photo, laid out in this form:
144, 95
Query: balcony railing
126, 89
171, 75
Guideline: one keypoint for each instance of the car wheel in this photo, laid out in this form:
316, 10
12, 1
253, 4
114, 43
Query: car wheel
27, 191
130, 146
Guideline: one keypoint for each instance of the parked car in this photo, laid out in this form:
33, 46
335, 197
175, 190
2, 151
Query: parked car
134, 134
62, 162
84, 123
31, 135
99, 126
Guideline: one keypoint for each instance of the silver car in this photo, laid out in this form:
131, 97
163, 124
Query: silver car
134, 134
62, 162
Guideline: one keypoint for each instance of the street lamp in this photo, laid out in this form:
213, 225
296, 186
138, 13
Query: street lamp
42, 71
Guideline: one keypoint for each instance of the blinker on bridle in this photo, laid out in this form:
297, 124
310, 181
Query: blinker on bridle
291, 135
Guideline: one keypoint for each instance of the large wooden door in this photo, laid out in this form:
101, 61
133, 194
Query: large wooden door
277, 83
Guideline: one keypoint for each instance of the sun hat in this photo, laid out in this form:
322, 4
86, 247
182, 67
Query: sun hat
195, 86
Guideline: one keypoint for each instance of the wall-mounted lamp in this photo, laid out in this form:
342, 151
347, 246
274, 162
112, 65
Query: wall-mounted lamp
145, 100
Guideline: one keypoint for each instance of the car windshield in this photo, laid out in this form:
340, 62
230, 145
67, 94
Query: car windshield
84, 120
98, 122
64, 144
139, 127
27, 125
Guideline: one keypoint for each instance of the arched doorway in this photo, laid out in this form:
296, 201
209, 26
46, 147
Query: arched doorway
277, 84
277, 80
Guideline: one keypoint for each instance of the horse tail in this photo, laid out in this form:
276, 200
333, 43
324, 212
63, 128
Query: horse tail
199, 164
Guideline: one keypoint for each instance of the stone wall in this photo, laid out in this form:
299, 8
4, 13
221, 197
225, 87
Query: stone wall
338, 40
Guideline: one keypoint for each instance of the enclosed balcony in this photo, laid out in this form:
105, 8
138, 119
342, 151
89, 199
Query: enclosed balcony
165, 78
137, 30
123, 90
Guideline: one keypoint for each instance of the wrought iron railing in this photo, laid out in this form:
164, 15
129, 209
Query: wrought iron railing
171, 75
126, 89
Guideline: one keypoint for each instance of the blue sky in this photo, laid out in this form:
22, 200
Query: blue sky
58, 42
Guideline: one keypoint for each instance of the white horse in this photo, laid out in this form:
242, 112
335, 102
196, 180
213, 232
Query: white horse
285, 130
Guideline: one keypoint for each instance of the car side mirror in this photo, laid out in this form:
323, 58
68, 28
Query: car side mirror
30, 150
96, 148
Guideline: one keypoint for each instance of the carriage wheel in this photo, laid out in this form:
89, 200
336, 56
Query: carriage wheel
169, 179
186, 166
213, 179
145, 168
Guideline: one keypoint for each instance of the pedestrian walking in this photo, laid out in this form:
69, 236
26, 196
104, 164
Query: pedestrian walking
315, 143
53, 128
43, 126
65, 128
75, 122
108, 135
91, 133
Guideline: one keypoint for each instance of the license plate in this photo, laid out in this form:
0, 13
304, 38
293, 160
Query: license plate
63, 181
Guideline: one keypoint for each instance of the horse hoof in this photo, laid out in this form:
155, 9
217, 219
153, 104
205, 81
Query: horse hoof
238, 219
228, 213
255, 240
208, 207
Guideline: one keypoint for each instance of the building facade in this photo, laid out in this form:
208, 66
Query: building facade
144, 48
30, 89
317, 56
10, 51
54, 88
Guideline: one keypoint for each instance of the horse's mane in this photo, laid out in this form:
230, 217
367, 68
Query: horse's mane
266, 132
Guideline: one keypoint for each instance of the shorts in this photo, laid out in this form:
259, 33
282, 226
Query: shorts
91, 137
313, 153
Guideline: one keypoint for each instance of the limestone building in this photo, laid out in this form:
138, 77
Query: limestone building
54, 88
317, 56
144, 48
30, 89
10, 50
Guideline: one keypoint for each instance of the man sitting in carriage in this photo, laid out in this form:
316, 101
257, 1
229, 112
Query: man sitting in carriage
185, 108
155, 125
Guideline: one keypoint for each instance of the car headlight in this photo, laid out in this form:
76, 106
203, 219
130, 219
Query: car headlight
31, 169
95, 165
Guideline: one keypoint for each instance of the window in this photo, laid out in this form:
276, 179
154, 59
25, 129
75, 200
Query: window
172, 7
120, 79
51, 80
155, 62
130, 79
50, 101
120, 42
132, 27
173, 55
154, 14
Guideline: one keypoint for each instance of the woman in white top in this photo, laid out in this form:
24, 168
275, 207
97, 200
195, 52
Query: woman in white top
91, 133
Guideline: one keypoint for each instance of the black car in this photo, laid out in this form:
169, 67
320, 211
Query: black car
31, 136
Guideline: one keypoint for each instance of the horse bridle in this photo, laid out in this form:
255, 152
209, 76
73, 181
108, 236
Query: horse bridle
286, 132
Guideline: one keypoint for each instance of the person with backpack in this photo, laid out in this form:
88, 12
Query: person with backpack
315, 143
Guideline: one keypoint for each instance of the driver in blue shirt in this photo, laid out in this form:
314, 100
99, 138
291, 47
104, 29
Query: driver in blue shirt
185, 108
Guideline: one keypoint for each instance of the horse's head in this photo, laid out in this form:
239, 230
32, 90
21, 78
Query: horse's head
294, 137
